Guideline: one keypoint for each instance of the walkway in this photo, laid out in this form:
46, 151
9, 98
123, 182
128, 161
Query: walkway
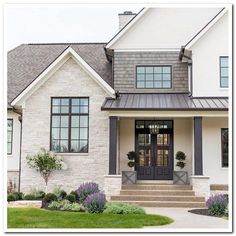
186, 220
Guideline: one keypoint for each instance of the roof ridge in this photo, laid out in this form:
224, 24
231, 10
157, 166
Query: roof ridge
66, 43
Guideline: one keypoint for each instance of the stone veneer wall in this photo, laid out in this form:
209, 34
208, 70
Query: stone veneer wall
69, 80
13, 177
125, 70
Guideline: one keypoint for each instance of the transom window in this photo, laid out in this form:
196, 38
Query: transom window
9, 135
224, 72
153, 77
69, 125
224, 147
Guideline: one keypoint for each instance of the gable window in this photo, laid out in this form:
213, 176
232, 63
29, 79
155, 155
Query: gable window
159, 77
69, 124
9, 135
224, 72
224, 147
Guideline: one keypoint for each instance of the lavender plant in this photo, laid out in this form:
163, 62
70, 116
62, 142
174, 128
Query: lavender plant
86, 189
217, 204
95, 203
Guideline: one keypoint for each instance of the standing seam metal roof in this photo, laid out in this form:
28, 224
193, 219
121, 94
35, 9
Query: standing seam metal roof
171, 101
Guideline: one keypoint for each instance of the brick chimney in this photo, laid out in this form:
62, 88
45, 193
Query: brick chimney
125, 17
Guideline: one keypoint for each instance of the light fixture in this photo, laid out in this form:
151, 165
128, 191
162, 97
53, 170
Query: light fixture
154, 128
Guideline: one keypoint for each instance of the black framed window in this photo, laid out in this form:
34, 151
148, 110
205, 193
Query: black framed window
224, 72
9, 136
70, 124
224, 147
159, 77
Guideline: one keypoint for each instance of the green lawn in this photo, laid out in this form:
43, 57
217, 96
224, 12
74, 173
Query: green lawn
41, 218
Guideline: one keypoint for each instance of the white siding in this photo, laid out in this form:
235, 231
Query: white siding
211, 142
206, 63
165, 28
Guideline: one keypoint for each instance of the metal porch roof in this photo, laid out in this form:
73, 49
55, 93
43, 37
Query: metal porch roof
171, 101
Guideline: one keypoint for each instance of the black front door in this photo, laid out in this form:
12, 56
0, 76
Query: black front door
154, 150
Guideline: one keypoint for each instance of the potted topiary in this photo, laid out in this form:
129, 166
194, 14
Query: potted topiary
180, 176
130, 176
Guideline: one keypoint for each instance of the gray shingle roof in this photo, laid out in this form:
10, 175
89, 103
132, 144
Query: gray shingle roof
27, 61
169, 102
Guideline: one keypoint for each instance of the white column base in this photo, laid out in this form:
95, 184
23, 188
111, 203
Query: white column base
201, 185
112, 185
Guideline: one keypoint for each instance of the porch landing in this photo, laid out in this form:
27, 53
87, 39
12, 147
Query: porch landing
159, 195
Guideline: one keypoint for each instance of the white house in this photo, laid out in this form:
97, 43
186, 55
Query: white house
159, 86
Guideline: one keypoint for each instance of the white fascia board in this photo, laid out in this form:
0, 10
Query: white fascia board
126, 28
148, 50
172, 114
204, 30
47, 73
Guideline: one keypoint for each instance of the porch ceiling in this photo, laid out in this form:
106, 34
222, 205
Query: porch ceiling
165, 102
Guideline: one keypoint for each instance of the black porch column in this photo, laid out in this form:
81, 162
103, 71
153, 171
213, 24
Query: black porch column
198, 146
112, 145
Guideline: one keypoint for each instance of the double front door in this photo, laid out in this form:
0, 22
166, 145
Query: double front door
154, 148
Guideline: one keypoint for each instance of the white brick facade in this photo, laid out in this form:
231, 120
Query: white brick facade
69, 80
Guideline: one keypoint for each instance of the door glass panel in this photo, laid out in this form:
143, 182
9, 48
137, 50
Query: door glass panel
165, 140
159, 139
147, 139
141, 157
148, 157
141, 139
159, 157
166, 157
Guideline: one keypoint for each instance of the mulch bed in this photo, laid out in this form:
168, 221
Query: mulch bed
201, 212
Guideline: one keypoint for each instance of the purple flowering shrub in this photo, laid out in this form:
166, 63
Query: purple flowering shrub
86, 189
217, 204
95, 203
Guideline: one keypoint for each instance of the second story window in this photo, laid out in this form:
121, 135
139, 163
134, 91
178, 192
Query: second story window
224, 72
153, 77
69, 124
9, 135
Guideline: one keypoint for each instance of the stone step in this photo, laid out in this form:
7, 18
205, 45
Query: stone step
156, 187
166, 204
151, 182
157, 198
158, 192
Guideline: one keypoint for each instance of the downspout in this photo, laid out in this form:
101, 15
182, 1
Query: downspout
20, 120
190, 73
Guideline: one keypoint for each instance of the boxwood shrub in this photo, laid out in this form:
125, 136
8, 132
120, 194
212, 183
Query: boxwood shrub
71, 198
29, 197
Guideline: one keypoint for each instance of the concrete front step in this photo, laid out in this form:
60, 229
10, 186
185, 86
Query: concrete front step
158, 192
158, 198
156, 187
166, 204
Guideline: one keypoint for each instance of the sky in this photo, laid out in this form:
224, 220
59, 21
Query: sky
61, 23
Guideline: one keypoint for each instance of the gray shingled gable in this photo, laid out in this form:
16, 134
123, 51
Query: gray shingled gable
27, 61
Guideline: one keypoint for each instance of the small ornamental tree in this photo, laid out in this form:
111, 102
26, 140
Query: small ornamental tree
132, 158
45, 162
180, 157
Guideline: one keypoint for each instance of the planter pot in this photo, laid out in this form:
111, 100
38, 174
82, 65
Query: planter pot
129, 177
180, 177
